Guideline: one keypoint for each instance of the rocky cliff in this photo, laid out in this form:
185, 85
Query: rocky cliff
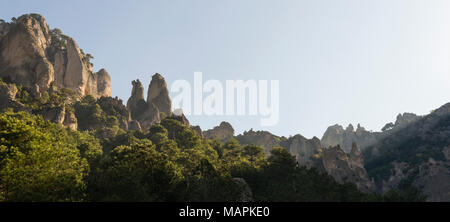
223, 132
345, 167
148, 112
34, 56
337, 135
310, 153
418, 154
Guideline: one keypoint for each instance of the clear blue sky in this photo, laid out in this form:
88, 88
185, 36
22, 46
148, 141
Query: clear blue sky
338, 61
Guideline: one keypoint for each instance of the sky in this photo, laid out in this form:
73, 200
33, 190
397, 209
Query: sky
337, 61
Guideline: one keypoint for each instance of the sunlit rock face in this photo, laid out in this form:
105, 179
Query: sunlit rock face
158, 94
158, 104
31, 57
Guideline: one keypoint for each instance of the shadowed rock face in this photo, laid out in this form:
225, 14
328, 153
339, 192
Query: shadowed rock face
8, 98
305, 150
347, 168
29, 57
418, 153
223, 132
136, 103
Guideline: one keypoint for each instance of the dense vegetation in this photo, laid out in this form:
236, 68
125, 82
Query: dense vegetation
45, 161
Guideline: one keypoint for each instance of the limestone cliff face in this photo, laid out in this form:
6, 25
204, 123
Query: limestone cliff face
23, 54
223, 132
33, 56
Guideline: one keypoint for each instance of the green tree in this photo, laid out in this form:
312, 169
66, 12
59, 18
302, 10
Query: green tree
34, 164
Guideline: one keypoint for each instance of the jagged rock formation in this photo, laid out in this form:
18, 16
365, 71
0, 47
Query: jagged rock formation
306, 151
310, 153
347, 168
158, 101
417, 153
337, 135
33, 56
158, 94
136, 103
223, 132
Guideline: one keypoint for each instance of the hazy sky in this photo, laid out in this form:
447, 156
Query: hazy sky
338, 61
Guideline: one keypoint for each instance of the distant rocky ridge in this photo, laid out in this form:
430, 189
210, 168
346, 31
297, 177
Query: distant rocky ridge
34, 56
343, 167
337, 135
223, 132
418, 153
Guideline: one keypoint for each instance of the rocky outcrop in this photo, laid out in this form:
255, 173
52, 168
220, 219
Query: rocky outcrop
158, 94
23, 57
198, 130
223, 132
8, 98
263, 139
59, 115
136, 103
310, 153
346, 168
416, 154
337, 135
134, 125
306, 151
158, 101
33, 56
70, 121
